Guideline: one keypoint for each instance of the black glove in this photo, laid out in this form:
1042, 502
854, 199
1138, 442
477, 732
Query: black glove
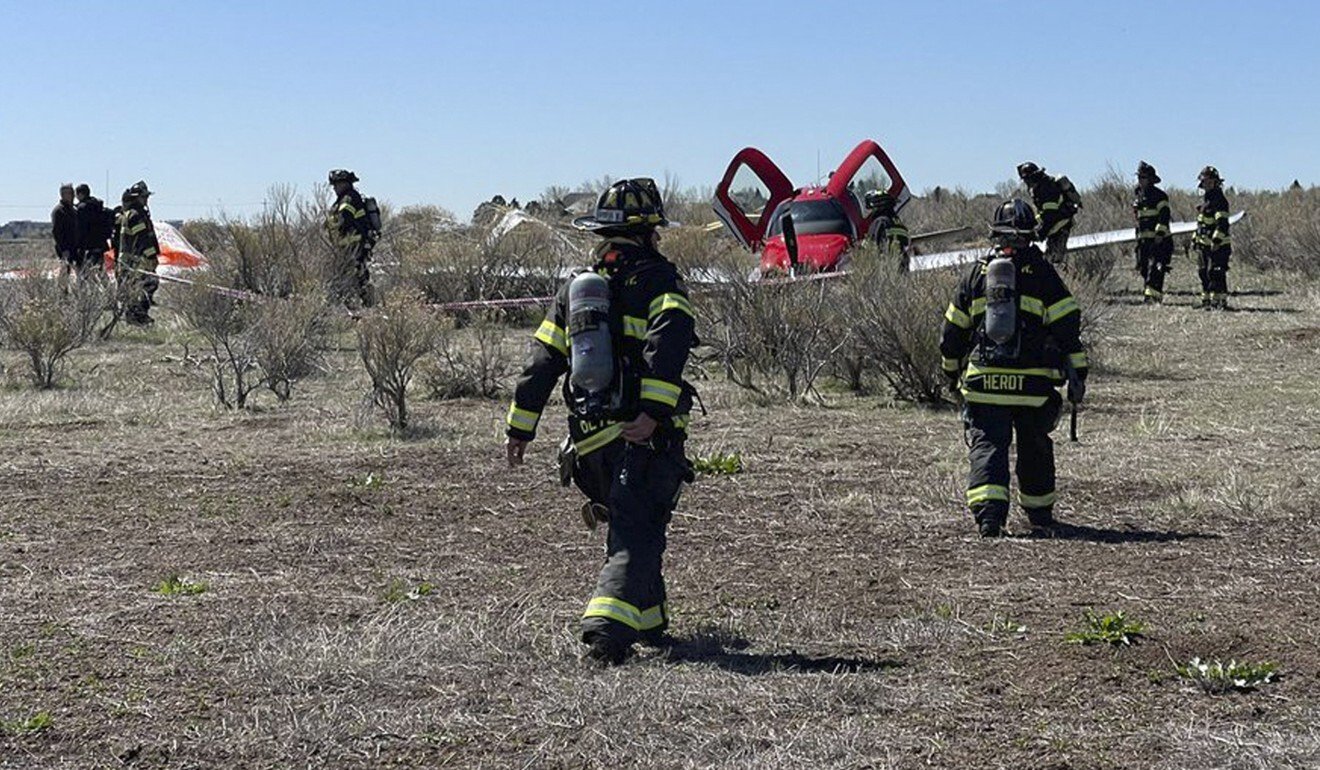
1077, 388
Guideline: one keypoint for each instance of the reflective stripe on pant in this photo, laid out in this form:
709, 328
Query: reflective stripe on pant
990, 432
640, 486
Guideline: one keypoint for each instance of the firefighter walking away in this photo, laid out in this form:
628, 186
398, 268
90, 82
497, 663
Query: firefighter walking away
621, 332
1154, 240
1010, 339
1057, 203
353, 224
1212, 241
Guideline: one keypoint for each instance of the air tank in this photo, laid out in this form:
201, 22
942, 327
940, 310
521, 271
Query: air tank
1001, 300
591, 348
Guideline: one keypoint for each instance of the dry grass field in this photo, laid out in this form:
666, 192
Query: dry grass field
290, 587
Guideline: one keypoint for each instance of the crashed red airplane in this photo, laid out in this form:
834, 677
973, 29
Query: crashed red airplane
755, 201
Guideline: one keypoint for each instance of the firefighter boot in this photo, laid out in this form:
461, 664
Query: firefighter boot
1041, 518
990, 520
605, 650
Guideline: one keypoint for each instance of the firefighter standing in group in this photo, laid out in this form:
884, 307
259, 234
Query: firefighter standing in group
96, 224
64, 229
1154, 240
352, 230
887, 230
137, 253
628, 405
1212, 241
1057, 203
1010, 338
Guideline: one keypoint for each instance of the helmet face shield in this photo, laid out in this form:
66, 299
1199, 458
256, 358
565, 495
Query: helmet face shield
1014, 220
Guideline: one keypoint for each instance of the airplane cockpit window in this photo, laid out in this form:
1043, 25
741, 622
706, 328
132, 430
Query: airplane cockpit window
871, 176
819, 217
749, 192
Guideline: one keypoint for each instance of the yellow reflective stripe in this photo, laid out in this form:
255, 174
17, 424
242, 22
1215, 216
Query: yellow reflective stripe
149, 251
1051, 206
986, 493
634, 327
522, 419
1060, 309
999, 399
951, 364
553, 335
135, 229
625, 613
350, 208
973, 371
670, 301
1080, 360
1032, 305
1156, 293
957, 317
978, 306
1162, 205
1036, 501
1061, 224
660, 391
598, 439
1221, 215
1162, 229
681, 421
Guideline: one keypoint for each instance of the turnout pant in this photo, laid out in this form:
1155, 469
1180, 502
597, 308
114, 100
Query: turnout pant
1212, 267
1056, 246
990, 430
136, 289
640, 486
1153, 258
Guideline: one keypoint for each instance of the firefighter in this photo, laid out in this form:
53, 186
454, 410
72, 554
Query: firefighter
95, 226
137, 253
887, 230
1154, 240
351, 231
1212, 242
1057, 203
64, 228
1010, 335
627, 430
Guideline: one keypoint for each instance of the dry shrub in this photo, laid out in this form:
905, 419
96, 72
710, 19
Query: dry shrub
391, 340
271, 343
474, 361
290, 339
696, 251
224, 322
48, 319
464, 266
895, 319
771, 337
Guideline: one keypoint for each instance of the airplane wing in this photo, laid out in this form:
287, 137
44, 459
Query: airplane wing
1075, 243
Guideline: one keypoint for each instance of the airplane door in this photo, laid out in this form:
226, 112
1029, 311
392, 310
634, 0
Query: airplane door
751, 188
868, 168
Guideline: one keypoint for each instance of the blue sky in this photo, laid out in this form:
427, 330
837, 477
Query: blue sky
452, 102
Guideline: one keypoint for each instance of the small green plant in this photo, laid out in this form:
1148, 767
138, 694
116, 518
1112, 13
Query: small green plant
372, 480
718, 464
1004, 625
36, 723
1114, 628
400, 590
1218, 677
175, 585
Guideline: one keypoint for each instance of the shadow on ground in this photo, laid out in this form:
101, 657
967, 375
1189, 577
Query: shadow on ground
1099, 535
723, 650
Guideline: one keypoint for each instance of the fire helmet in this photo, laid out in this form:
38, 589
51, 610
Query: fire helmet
628, 206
